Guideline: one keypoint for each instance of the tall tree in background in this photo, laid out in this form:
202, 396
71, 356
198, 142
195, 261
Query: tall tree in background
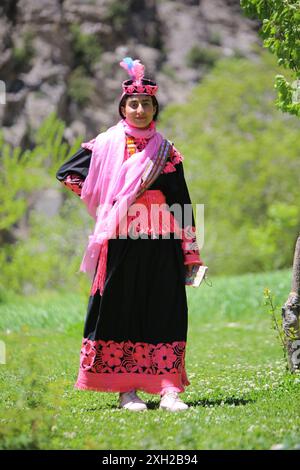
280, 32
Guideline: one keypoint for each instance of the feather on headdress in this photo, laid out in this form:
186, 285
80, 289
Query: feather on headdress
137, 84
134, 68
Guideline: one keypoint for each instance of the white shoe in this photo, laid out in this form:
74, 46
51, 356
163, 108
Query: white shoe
171, 402
130, 401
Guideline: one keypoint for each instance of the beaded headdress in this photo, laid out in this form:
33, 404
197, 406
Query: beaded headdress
137, 84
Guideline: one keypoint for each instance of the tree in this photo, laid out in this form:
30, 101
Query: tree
281, 35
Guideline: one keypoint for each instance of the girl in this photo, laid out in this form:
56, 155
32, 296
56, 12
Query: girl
139, 256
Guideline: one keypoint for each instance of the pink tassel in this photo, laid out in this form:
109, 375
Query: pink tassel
100, 277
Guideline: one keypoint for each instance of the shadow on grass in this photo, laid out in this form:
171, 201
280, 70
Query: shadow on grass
205, 403
209, 403
221, 401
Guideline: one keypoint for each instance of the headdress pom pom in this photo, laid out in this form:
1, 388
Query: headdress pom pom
134, 68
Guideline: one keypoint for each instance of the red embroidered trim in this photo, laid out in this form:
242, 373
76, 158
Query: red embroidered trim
136, 144
175, 158
189, 246
139, 88
130, 381
74, 182
127, 357
155, 220
192, 258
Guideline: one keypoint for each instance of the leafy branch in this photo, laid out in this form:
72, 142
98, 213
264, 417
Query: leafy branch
280, 32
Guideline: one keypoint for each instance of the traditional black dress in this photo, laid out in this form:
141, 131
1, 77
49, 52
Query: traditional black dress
135, 333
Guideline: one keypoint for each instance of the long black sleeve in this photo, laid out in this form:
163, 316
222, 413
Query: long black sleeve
73, 172
78, 164
176, 192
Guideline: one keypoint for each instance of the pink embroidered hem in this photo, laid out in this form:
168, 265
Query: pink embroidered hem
109, 366
127, 381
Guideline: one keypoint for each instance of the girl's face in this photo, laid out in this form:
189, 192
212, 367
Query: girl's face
139, 110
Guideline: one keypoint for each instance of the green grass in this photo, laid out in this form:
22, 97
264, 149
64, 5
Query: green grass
240, 397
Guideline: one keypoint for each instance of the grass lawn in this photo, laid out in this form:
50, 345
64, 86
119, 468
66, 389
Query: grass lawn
240, 397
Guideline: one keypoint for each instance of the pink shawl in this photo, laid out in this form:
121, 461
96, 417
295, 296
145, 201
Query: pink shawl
112, 184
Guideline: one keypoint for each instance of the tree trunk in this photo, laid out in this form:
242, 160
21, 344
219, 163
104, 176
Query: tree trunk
290, 315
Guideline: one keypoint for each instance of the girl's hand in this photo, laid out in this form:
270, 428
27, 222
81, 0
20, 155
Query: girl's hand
195, 278
189, 268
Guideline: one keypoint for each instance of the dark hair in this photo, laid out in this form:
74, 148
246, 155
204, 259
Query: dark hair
154, 102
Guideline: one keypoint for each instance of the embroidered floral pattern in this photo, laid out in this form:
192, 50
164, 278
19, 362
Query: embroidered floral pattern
134, 145
149, 215
88, 357
189, 242
164, 357
138, 144
190, 246
175, 158
74, 182
112, 357
142, 355
139, 88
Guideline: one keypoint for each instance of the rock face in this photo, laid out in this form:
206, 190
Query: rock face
63, 55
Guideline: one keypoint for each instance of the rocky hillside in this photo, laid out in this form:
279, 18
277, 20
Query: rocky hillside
63, 55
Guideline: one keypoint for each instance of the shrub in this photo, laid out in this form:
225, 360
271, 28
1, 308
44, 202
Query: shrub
87, 49
198, 56
23, 52
81, 87
117, 13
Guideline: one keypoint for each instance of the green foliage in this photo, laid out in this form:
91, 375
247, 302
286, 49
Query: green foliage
169, 71
281, 35
86, 47
215, 38
198, 56
288, 95
50, 257
51, 150
29, 396
272, 239
81, 87
242, 163
23, 53
276, 319
49, 252
117, 13
13, 190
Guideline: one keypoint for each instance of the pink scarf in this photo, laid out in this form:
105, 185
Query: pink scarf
111, 186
